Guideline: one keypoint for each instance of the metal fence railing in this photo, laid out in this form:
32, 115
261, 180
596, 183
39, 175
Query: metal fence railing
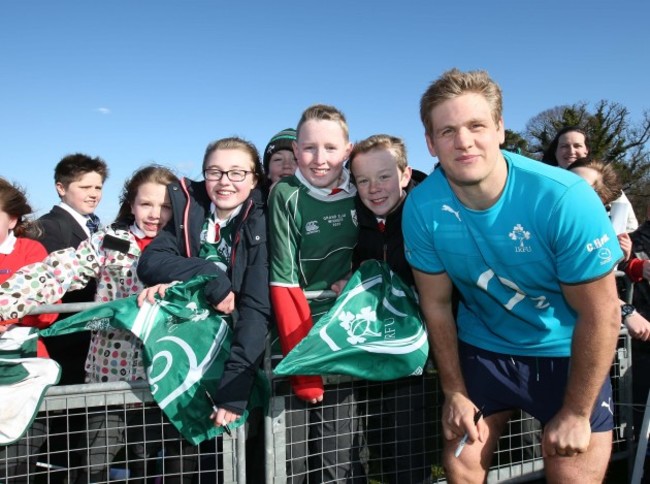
114, 432
404, 443
390, 431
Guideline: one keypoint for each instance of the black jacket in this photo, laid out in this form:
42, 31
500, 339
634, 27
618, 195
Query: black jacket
388, 245
61, 230
173, 256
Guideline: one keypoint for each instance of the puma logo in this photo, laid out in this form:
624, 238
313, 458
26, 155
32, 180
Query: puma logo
608, 406
447, 208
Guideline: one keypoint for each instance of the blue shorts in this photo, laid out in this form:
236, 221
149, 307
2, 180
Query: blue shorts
498, 382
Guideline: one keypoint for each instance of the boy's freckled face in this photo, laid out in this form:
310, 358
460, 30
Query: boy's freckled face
83, 194
321, 149
379, 181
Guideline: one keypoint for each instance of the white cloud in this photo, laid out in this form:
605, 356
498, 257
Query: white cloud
103, 110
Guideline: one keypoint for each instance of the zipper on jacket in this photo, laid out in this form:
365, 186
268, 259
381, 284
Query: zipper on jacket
238, 234
186, 219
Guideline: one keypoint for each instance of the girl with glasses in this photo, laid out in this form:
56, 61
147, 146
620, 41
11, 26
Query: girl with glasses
218, 227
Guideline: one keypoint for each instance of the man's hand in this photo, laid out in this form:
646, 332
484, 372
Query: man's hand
227, 304
566, 434
458, 414
149, 294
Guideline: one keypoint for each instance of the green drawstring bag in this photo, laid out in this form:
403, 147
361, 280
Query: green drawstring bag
374, 331
186, 344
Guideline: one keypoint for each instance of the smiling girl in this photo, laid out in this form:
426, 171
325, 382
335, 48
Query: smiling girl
110, 256
219, 227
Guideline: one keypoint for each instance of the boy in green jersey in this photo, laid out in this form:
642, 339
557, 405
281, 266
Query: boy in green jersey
314, 233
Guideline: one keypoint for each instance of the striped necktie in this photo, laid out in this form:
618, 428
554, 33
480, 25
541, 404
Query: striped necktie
92, 222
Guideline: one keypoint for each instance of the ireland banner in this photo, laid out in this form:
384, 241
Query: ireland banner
186, 344
374, 331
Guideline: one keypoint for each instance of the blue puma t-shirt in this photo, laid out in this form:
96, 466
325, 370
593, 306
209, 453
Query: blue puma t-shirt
548, 227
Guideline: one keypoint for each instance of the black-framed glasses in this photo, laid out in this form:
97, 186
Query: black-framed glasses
233, 175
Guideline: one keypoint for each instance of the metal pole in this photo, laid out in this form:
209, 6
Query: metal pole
83, 306
63, 308
641, 449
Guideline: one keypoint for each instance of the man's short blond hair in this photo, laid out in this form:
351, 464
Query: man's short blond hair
324, 112
455, 83
393, 144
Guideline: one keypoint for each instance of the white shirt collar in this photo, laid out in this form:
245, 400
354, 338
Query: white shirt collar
344, 185
81, 219
7, 247
227, 220
137, 231
214, 220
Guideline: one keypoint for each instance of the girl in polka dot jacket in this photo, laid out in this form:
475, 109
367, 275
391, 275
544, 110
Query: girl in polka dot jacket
110, 256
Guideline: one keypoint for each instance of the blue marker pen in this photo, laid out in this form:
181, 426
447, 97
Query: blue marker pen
463, 441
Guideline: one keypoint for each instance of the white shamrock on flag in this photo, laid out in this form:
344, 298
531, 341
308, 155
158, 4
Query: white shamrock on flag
199, 314
358, 326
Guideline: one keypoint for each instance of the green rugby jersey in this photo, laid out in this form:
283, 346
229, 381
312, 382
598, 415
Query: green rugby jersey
312, 233
219, 251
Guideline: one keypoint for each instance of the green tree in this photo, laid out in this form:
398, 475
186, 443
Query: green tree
516, 143
613, 138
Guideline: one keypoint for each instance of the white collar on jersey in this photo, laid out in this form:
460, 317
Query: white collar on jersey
344, 185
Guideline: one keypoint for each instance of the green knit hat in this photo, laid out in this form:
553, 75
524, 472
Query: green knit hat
281, 141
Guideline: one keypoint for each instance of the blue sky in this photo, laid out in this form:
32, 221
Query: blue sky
155, 81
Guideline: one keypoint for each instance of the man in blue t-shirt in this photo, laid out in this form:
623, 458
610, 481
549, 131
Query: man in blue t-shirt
532, 253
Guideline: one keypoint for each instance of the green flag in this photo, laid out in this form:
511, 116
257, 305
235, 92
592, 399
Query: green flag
24, 380
374, 331
186, 344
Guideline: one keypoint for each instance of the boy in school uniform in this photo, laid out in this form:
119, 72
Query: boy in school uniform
79, 180
314, 233
399, 417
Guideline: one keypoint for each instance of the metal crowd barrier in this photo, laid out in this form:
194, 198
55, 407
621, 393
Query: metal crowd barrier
114, 431
292, 454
